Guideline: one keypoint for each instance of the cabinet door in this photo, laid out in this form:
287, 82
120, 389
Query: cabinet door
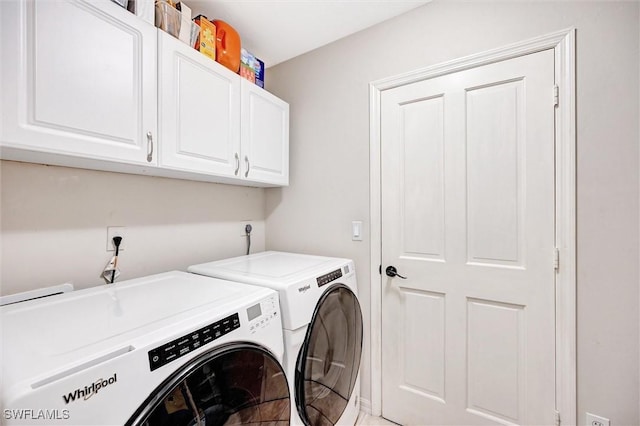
78, 79
265, 136
199, 111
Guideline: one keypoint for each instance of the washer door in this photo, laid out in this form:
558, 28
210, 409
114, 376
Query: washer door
234, 384
328, 363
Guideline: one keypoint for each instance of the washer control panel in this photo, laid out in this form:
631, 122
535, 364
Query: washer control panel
190, 342
327, 278
261, 314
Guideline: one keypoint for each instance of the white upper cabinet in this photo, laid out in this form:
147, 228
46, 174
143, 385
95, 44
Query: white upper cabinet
212, 122
87, 84
199, 104
265, 136
78, 81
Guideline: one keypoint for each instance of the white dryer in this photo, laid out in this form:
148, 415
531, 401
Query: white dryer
322, 323
169, 349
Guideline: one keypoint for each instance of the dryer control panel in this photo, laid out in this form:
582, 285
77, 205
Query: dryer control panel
261, 314
190, 342
327, 278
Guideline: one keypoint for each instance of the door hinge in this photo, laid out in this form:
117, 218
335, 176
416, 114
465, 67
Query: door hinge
556, 259
557, 418
556, 95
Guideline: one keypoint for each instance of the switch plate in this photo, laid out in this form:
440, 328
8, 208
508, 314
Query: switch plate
116, 231
593, 420
356, 230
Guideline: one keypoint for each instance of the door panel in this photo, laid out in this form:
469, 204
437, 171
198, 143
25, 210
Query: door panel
423, 203
468, 217
495, 338
423, 328
199, 111
94, 98
264, 135
494, 181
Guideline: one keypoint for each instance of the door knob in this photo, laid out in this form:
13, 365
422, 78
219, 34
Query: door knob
391, 271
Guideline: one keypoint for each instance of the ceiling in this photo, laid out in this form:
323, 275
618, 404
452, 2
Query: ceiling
278, 30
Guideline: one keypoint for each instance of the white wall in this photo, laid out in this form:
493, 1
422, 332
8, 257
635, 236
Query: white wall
53, 223
328, 93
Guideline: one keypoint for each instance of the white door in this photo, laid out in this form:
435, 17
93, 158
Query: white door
78, 79
265, 136
468, 218
199, 111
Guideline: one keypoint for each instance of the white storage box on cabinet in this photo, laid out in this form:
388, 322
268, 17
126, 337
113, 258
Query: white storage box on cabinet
265, 136
199, 111
78, 84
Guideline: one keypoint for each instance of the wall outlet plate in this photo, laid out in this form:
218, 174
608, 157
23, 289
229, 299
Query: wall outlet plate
116, 231
593, 420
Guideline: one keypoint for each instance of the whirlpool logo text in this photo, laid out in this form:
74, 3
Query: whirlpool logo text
90, 390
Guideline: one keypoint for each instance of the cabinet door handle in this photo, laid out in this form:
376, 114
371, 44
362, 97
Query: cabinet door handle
246, 160
237, 164
149, 147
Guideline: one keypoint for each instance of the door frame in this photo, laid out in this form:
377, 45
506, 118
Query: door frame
563, 44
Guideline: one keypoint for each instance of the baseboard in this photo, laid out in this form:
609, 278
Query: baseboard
365, 406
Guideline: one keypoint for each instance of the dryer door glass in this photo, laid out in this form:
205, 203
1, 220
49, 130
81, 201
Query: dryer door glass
238, 385
329, 360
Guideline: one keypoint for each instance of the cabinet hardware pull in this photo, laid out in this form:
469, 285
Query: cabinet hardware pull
149, 147
237, 164
246, 159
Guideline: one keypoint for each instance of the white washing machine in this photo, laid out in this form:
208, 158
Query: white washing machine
322, 324
169, 349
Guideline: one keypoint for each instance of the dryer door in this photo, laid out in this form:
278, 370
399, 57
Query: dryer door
329, 361
234, 384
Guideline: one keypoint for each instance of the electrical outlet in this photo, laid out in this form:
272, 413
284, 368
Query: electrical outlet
593, 420
116, 231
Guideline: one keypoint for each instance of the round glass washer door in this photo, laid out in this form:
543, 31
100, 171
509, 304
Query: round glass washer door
329, 361
236, 384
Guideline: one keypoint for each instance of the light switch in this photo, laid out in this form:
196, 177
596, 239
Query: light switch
356, 230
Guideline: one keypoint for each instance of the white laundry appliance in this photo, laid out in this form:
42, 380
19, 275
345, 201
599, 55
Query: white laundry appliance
168, 349
322, 323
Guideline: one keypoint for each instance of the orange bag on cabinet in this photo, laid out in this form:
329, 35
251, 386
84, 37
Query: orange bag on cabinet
227, 45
